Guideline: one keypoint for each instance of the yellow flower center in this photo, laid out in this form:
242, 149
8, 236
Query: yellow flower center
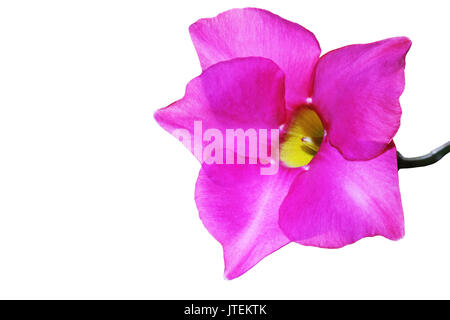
302, 139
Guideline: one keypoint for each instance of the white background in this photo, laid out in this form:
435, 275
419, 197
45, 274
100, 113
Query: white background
97, 201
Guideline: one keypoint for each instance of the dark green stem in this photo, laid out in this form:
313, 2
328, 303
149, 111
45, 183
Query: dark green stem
430, 158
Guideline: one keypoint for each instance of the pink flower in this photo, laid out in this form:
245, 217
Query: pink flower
262, 72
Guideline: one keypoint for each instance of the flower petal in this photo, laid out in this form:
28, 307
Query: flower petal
260, 33
356, 92
239, 207
245, 93
337, 202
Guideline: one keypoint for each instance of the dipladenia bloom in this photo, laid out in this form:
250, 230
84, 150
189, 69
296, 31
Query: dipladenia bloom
337, 114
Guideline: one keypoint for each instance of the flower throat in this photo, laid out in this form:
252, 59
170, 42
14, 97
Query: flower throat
302, 139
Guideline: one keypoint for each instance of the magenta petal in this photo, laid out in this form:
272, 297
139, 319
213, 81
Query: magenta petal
241, 93
239, 207
356, 92
337, 202
260, 33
